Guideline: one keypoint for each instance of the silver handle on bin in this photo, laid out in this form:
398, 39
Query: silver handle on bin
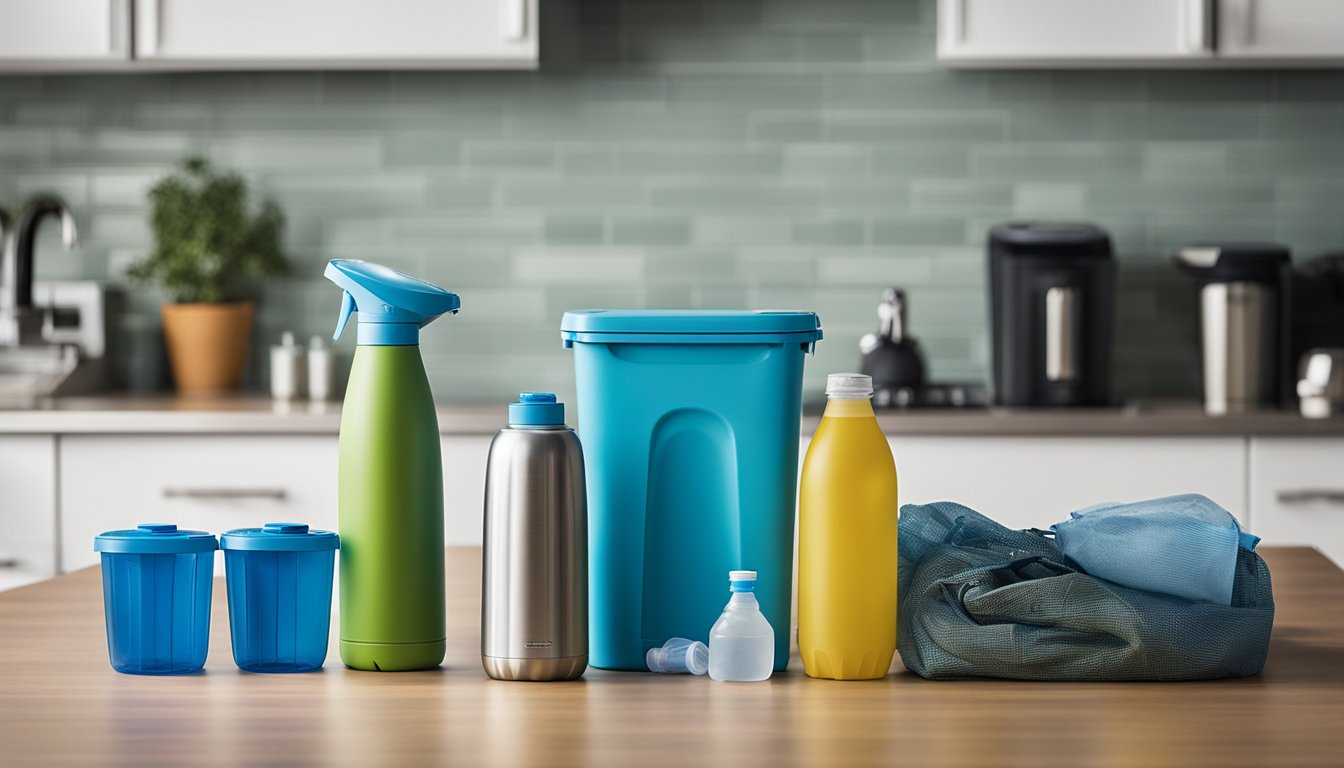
277, 494
1307, 495
1059, 342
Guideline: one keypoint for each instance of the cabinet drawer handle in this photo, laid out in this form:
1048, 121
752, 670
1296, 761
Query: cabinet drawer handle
152, 10
1307, 495
277, 494
1197, 26
10, 562
956, 22
1247, 23
515, 20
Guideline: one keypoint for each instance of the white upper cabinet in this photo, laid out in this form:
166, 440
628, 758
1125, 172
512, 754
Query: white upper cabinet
1281, 29
47, 34
1099, 33
1063, 31
273, 34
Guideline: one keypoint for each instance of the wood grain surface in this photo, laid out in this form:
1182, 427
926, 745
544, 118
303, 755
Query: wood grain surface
61, 704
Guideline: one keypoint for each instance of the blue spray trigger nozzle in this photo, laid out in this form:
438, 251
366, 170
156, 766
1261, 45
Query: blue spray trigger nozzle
392, 306
347, 307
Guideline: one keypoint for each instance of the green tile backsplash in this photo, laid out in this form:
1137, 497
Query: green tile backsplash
740, 153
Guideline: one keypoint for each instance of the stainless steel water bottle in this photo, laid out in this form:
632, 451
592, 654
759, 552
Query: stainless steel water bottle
534, 599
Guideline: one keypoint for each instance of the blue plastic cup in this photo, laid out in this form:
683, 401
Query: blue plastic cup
156, 597
279, 582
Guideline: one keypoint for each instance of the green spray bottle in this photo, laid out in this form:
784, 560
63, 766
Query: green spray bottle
391, 474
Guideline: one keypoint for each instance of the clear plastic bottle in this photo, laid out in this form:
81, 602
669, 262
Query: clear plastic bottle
742, 642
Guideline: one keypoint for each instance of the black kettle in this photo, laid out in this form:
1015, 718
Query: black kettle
890, 356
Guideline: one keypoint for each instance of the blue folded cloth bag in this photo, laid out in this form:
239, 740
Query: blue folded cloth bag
1178, 545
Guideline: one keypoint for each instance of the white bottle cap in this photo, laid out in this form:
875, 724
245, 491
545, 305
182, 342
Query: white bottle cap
849, 385
741, 575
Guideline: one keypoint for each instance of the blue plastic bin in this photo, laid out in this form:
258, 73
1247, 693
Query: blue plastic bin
279, 583
156, 598
689, 422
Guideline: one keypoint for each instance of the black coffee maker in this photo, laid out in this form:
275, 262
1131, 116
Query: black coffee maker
1317, 305
1052, 298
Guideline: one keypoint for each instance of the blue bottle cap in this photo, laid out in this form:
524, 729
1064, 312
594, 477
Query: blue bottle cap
280, 537
536, 409
741, 581
155, 539
392, 306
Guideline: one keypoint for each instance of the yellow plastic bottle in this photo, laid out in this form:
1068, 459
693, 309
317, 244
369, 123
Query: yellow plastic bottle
847, 539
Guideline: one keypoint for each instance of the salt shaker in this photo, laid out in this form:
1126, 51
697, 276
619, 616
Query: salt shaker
286, 369
321, 369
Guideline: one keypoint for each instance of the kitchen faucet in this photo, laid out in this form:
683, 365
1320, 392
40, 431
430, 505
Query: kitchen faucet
19, 324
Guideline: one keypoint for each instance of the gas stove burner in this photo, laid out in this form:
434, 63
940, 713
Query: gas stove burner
931, 396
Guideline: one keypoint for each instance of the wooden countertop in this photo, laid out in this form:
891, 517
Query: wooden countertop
60, 703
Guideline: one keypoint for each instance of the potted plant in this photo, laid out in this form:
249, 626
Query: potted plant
208, 242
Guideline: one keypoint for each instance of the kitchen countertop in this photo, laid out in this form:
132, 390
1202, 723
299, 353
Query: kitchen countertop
229, 414
253, 414
62, 704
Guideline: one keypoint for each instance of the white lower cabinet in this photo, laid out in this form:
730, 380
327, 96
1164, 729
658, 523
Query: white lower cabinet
1025, 482
81, 485
27, 509
1297, 492
464, 487
211, 483
215, 483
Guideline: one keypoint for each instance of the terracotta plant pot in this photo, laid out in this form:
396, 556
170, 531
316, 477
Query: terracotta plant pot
207, 345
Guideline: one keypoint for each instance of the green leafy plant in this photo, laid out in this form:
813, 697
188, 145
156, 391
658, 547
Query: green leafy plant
207, 240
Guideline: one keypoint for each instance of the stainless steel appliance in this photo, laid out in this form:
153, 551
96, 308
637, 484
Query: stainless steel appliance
1320, 385
534, 601
1052, 293
1243, 322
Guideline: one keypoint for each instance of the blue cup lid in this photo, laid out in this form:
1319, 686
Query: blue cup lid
280, 537
155, 539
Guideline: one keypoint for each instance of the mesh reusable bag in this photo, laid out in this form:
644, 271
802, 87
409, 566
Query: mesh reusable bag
980, 600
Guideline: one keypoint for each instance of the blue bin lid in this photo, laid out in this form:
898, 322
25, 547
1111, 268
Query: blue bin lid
280, 537
690, 326
155, 539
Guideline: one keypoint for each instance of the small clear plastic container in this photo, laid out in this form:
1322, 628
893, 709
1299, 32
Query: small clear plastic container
679, 656
156, 598
279, 582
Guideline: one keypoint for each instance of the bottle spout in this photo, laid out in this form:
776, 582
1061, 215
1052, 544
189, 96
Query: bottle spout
347, 308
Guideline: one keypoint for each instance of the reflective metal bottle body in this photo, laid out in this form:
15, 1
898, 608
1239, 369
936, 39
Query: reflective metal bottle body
534, 609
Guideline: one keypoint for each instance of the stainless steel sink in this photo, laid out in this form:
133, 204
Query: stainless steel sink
30, 373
